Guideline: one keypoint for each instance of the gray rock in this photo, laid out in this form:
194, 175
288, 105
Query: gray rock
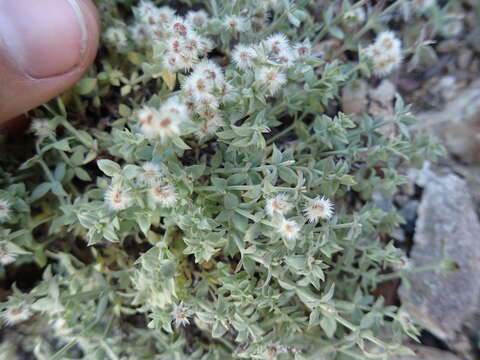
382, 202
446, 224
428, 353
458, 124
354, 98
398, 234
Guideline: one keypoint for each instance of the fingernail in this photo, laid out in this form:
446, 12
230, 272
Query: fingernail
43, 38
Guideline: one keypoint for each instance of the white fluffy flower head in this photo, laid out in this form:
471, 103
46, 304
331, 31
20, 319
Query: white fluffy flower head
289, 229
16, 314
385, 52
277, 43
272, 79
151, 174
318, 208
209, 126
147, 117
6, 257
244, 56
278, 204
42, 128
117, 37
235, 23
164, 194
180, 315
197, 18
117, 198
303, 49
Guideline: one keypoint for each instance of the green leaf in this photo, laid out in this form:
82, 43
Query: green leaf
82, 174
40, 191
59, 172
124, 110
108, 167
329, 325
287, 175
57, 189
180, 143
231, 201
85, 86
62, 145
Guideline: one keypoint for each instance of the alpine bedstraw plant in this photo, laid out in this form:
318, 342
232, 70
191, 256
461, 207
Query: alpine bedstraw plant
200, 195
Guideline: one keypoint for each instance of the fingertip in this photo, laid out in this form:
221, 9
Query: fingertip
48, 58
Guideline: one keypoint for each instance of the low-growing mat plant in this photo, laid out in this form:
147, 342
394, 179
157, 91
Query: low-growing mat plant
201, 195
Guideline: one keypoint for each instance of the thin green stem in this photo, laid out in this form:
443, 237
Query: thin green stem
401, 273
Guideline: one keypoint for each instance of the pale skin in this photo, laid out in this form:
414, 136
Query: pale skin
45, 48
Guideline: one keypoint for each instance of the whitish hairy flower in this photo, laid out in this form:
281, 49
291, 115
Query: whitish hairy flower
197, 18
165, 14
210, 71
228, 93
197, 84
272, 79
285, 57
194, 45
139, 34
145, 8
244, 56
179, 61
16, 314
5, 209
278, 204
209, 126
117, 197
179, 27
205, 102
168, 125
164, 194
180, 315
386, 64
42, 128
117, 37
289, 229
386, 53
423, 5
386, 41
151, 173
176, 107
6, 257
277, 43
147, 117
235, 23
303, 49
318, 208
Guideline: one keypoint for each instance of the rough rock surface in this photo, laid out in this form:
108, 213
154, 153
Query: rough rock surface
447, 223
458, 124
428, 353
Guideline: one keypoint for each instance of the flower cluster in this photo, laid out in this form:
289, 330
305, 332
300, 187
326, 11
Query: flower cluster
149, 179
204, 90
165, 122
270, 59
386, 53
316, 209
184, 46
